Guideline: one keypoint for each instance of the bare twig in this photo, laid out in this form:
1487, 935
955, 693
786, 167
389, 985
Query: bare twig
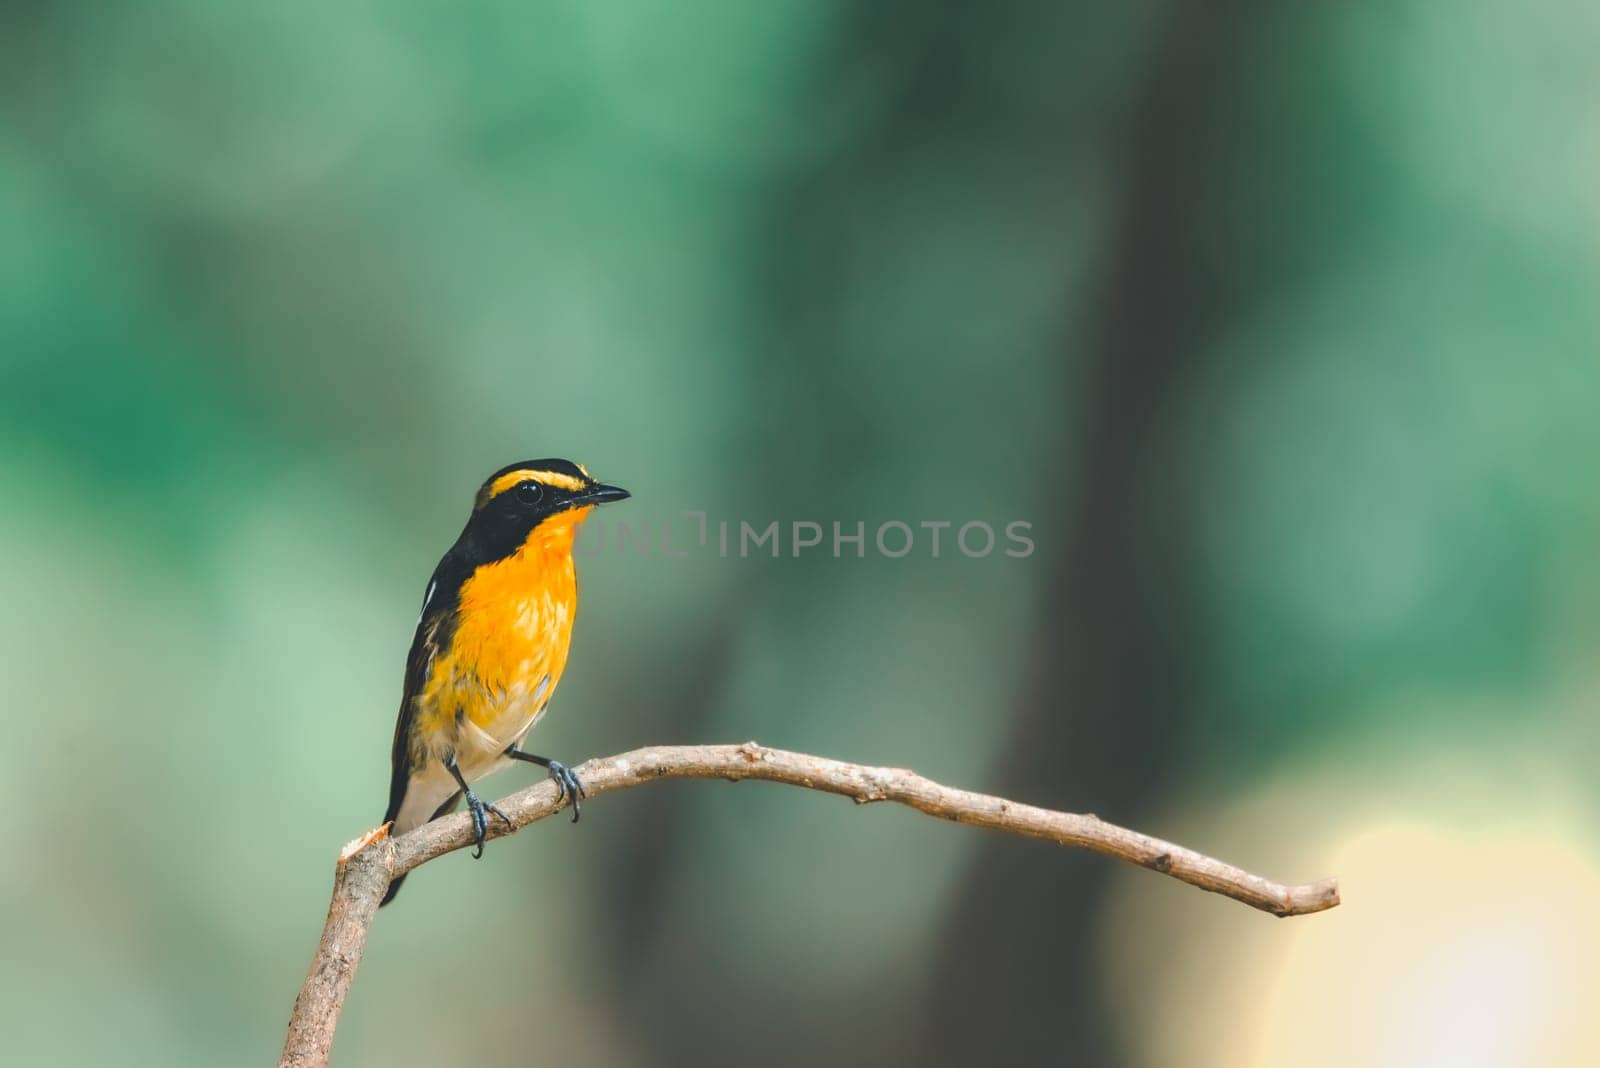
368, 864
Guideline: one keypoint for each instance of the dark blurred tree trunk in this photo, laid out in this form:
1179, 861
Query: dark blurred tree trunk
1107, 704
635, 909
1109, 700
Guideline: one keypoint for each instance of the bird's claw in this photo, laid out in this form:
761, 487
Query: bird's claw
568, 787
480, 810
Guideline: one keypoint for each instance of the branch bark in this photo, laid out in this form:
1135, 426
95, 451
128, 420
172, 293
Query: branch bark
367, 865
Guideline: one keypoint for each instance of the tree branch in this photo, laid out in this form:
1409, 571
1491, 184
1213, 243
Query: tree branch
368, 864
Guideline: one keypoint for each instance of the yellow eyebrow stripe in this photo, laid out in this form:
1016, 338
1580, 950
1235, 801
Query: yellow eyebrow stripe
554, 479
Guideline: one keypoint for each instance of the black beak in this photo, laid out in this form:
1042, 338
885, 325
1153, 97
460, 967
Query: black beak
602, 494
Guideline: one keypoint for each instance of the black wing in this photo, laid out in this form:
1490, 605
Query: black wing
434, 630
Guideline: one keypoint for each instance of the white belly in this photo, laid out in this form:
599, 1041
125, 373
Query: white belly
479, 751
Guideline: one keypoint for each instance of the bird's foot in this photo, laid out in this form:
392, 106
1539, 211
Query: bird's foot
568, 787
480, 810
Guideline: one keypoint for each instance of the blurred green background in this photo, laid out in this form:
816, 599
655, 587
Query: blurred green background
1278, 322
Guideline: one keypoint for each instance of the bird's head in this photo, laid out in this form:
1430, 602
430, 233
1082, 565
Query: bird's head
543, 498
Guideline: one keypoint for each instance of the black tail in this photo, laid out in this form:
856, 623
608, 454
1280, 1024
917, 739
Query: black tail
443, 810
394, 888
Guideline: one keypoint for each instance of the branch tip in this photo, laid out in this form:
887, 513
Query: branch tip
356, 845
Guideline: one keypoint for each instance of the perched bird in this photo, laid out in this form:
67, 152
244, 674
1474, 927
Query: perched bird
491, 645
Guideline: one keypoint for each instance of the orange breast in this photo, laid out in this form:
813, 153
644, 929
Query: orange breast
510, 643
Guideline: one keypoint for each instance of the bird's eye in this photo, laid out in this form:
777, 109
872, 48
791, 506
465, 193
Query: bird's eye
530, 493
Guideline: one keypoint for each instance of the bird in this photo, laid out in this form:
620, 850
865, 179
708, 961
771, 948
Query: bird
490, 646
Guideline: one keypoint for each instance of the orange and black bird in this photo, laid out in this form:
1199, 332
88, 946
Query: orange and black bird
491, 645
